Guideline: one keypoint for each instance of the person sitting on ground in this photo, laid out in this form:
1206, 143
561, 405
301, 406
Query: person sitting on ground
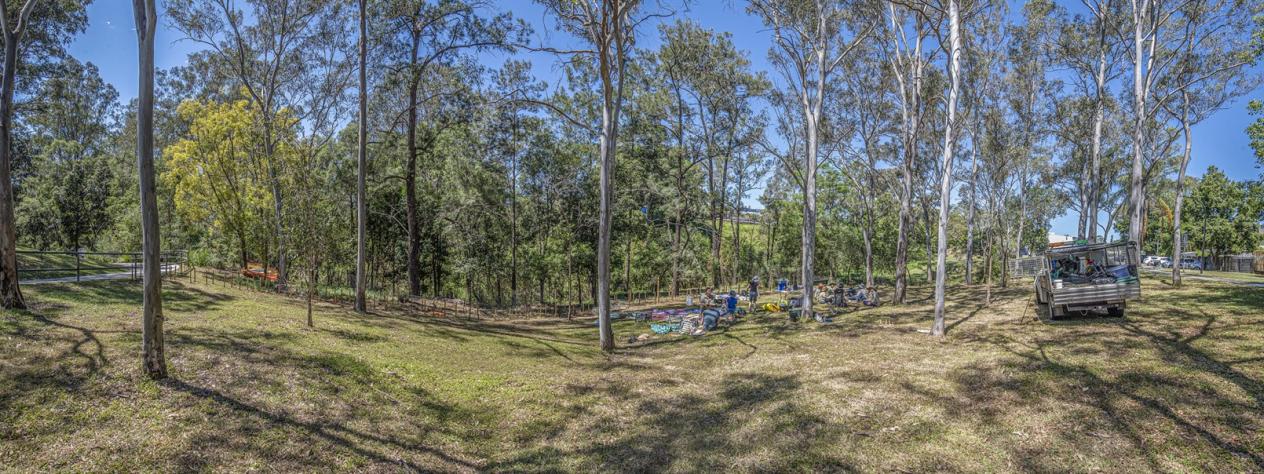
708, 298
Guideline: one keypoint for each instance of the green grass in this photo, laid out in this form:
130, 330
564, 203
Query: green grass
1237, 276
1175, 386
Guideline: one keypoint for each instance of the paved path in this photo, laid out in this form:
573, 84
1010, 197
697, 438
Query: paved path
1195, 276
171, 267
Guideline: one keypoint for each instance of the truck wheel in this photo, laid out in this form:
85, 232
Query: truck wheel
1115, 311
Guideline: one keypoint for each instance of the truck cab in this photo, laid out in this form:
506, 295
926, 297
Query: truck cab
1084, 278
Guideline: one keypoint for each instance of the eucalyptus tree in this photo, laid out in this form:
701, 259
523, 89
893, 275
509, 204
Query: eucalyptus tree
42, 40
362, 159
1217, 43
945, 190
153, 359
1156, 38
1028, 90
874, 122
906, 29
984, 55
1090, 47
608, 28
811, 40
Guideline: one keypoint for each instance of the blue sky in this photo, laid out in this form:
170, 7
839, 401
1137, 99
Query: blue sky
110, 43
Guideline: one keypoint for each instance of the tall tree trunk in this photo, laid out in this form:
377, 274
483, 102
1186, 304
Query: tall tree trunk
945, 188
905, 224
1099, 117
808, 247
362, 208
987, 266
1084, 198
282, 272
1136, 192
627, 272
970, 219
153, 360
1180, 192
715, 229
513, 222
867, 233
1022, 213
10, 293
737, 233
675, 276
609, 134
410, 175
930, 252
311, 290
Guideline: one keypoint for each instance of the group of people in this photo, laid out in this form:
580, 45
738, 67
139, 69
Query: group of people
730, 301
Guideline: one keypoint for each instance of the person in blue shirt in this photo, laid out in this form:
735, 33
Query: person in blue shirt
731, 303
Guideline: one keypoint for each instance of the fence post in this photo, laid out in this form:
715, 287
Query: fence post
78, 258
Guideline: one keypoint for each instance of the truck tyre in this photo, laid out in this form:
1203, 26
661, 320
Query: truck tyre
1115, 311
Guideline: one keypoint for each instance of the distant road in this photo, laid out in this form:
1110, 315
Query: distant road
170, 267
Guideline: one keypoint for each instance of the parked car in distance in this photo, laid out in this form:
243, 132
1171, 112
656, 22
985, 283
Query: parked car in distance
1165, 262
1191, 264
1151, 260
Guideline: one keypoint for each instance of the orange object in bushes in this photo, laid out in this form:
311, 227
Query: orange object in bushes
259, 272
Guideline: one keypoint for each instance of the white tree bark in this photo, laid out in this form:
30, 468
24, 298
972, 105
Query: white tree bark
153, 360
10, 292
1142, 18
1177, 237
945, 187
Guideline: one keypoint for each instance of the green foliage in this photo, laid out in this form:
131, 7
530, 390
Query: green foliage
1255, 131
1224, 215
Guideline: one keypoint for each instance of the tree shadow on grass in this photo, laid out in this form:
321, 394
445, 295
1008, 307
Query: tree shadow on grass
249, 419
1128, 400
346, 405
176, 296
750, 413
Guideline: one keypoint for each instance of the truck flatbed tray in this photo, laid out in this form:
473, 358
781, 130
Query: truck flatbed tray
1085, 294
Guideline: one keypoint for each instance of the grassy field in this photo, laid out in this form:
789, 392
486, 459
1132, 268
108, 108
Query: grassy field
1237, 276
1177, 385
